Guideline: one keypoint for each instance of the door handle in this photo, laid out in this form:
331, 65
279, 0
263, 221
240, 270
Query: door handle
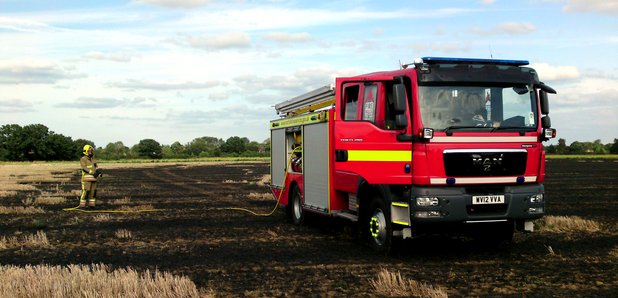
341, 155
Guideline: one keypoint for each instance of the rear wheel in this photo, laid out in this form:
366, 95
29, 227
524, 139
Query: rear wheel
380, 230
297, 212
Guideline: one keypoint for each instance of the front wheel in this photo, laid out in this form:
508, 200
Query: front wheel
297, 212
380, 230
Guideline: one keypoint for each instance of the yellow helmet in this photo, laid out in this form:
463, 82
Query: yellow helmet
86, 149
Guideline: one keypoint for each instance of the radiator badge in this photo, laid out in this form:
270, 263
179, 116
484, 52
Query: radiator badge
486, 163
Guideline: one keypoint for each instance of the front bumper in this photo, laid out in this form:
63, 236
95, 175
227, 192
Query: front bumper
454, 205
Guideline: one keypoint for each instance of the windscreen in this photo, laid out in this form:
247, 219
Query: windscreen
445, 108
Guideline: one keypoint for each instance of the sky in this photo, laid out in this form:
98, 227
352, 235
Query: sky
176, 70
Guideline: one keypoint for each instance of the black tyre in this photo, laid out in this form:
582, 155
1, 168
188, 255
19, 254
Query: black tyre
380, 229
296, 207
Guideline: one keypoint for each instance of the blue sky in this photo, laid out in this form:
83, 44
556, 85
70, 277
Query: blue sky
175, 70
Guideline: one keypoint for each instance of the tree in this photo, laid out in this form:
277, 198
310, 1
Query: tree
116, 150
562, 147
577, 148
149, 148
234, 144
33, 142
59, 147
10, 144
204, 146
613, 149
177, 149
598, 147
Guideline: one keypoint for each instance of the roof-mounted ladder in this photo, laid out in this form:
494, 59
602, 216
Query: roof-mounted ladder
310, 101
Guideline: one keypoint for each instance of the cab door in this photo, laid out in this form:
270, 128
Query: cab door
368, 121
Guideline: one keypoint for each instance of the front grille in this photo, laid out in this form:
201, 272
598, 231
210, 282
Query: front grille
484, 163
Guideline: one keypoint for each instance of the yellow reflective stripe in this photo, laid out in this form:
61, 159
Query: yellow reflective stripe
316, 117
380, 155
400, 204
401, 222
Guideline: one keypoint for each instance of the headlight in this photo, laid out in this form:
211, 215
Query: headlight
427, 201
538, 198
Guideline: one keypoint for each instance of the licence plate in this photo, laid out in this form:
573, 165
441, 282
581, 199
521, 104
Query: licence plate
496, 199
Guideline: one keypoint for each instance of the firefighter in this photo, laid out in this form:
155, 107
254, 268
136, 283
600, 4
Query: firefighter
473, 109
90, 173
297, 158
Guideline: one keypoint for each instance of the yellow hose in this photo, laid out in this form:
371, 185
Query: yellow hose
285, 176
110, 211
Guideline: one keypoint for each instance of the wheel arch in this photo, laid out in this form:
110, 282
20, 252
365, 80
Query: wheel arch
366, 192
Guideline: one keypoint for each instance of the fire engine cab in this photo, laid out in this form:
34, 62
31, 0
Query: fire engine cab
442, 144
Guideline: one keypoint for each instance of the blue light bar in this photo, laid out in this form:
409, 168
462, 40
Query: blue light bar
437, 60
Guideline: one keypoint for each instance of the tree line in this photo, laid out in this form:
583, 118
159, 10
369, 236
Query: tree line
577, 147
37, 142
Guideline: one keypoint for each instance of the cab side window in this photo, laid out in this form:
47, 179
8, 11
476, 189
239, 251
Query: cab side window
351, 102
369, 102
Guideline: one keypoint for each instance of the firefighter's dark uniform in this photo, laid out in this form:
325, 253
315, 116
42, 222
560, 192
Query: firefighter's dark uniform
89, 177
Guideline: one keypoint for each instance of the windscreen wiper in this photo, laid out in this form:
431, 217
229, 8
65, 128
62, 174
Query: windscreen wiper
455, 127
520, 130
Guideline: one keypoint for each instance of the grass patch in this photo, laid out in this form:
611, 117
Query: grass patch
123, 234
122, 201
50, 200
264, 180
183, 160
228, 181
582, 156
567, 224
102, 218
137, 208
260, 196
21, 210
91, 281
31, 240
394, 285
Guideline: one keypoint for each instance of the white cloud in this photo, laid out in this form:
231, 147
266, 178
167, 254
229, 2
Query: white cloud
285, 37
162, 86
218, 96
275, 18
223, 41
92, 103
488, 2
594, 6
176, 3
33, 71
86, 102
23, 25
443, 47
586, 109
549, 72
505, 28
116, 57
15, 106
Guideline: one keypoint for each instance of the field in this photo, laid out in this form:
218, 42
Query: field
171, 218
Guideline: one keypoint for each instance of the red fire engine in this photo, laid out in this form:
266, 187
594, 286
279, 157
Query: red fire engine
439, 145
